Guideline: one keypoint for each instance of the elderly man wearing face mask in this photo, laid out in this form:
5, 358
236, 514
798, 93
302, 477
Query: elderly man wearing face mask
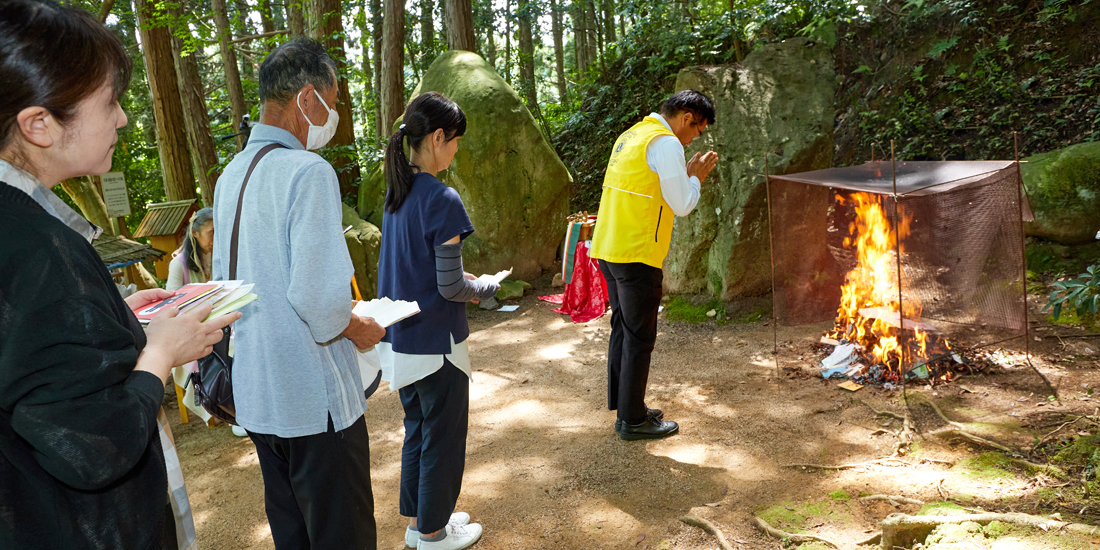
296, 384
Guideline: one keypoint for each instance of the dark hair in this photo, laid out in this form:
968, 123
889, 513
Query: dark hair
424, 115
54, 56
291, 66
189, 249
691, 101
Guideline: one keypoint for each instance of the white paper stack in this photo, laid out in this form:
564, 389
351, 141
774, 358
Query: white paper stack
386, 311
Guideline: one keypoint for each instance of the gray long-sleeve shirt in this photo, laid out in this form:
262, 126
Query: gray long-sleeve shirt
292, 368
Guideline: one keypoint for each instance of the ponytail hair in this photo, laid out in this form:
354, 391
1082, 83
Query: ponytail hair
427, 113
190, 249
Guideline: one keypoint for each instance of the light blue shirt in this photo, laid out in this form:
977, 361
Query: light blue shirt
291, 367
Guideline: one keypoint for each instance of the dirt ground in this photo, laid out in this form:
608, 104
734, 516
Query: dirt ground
545, 469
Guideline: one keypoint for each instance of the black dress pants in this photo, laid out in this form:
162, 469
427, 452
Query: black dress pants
317, 489
433, 458
634, 290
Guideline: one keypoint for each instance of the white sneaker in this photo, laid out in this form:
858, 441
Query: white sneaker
412, 537
239, 431
458, 537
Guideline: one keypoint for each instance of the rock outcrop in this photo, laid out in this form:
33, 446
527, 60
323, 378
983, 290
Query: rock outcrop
363, 240
1064, 188
515, 188
778, 103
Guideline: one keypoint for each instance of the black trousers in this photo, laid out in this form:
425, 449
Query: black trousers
317, 489
634, 291
433, 458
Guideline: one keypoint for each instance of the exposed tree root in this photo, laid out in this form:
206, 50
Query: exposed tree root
792, 537
894, 499
905, 436
875, 539
905, 530
879, 461
709, 527
960, 430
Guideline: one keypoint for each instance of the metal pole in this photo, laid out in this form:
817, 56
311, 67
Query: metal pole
771, 251
1023, 263
903, 338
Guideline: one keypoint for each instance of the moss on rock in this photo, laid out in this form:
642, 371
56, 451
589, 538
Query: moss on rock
515, 188
1064, 188
363, 240
778, 103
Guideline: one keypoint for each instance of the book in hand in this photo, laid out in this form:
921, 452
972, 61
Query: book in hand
385, 311
224, 297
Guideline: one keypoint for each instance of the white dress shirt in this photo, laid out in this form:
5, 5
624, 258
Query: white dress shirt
665, 156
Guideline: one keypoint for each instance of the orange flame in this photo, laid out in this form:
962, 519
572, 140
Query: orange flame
873, 283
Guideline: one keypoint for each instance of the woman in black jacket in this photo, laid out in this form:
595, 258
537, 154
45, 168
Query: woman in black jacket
80, 382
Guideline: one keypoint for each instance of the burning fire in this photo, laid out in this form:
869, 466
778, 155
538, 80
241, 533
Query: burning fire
868, 313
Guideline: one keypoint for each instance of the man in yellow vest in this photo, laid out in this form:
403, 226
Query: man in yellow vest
647, 183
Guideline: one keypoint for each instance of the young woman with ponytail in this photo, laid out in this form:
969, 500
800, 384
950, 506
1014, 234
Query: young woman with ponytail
426, 357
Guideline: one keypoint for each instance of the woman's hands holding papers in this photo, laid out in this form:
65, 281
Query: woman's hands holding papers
364, 332
174, 339
143, 298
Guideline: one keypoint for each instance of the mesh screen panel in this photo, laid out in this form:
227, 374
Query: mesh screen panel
962, 259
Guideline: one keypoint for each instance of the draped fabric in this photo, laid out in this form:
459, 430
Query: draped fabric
585, 297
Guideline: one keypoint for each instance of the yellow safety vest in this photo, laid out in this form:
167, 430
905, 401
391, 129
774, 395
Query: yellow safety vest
635, 222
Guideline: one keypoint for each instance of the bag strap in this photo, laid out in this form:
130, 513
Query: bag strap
240, 201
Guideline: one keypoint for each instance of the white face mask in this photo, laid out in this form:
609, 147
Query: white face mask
319, 135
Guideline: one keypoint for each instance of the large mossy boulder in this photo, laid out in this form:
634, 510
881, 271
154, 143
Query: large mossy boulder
363, 240
778, 103
515, 188
1064, 188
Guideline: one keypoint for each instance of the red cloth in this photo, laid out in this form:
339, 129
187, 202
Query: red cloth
585, 297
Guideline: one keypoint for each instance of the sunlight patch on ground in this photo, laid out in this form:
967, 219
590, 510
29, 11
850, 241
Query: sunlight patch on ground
485, 386
557, 351
739, 463
517, 412
247, 460
200, 517
261, 532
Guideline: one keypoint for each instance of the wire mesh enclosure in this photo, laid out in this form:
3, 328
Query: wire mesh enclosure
941, 242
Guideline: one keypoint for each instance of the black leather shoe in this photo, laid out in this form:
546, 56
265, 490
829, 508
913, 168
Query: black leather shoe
651, 413
651, 428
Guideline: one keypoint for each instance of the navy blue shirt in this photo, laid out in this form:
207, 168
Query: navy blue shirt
431, 215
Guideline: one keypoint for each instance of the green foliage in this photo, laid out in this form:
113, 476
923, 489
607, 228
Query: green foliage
840, 494
648, 57
680, 309
1082, 294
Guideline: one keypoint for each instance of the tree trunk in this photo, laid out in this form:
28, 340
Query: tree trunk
559, 50
329, 31
580, 38
376, 35
427, 34
527, 55
295, 20
88, 200
267, 21
368, 70
609, 21
592, 38
393, 64
156, 48
229, 65
490, 41
460, 25
204, 155
508, 41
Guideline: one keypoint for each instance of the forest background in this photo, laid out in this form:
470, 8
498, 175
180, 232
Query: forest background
946, 79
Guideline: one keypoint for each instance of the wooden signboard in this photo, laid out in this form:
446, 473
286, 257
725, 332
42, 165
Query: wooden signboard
115, 195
